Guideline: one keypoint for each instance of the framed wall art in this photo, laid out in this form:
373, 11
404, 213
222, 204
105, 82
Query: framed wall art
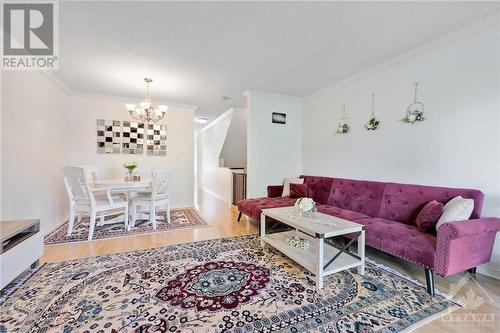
108, 136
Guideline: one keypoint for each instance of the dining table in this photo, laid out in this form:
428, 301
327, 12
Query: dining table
128, 187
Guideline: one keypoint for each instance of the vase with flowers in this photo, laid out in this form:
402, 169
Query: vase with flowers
305, 206
130, 166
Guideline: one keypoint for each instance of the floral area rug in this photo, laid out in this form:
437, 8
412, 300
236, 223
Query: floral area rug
224, 285
184, 218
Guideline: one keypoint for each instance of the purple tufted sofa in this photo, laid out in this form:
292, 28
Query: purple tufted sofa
388, 212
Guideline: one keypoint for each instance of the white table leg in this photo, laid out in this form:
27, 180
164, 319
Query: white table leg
361, 252
262, 229
319, 262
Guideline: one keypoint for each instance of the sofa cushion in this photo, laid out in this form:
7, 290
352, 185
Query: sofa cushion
401, 240
298, 191
253, 207
318, 187
403, 202
345, 214
428, 216
356, 195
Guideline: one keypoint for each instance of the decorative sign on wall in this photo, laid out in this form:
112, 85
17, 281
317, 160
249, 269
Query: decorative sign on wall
108, 136
156, 142
133, 138
279, 118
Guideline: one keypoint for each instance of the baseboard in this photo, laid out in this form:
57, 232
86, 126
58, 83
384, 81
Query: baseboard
53, 226
490, 270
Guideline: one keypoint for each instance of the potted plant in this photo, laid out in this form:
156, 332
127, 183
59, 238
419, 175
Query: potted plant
130, 166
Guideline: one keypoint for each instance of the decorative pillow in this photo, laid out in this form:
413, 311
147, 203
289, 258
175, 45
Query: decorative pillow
286, 185
457, 209
429, 215
298, 191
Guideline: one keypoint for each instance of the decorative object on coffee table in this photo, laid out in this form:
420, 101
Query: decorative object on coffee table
305, 206
297, 242
373, 122
343, 124
415, 111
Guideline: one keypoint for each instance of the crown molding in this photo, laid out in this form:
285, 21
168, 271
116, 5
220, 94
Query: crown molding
486, 22
73, 93
133, 100
248, 93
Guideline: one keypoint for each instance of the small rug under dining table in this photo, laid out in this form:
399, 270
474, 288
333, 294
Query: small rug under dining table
222, 285
181, 218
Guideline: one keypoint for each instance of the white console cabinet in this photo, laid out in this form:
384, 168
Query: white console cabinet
22, 247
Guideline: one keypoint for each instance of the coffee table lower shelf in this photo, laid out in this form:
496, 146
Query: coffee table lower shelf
307, 257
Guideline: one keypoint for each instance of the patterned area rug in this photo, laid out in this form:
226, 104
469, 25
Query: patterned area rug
184, 218
224, 285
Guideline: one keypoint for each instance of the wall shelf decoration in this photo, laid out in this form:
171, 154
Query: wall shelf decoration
108, 136
415, 111
133, 138
156, 143
343, 127
373, 122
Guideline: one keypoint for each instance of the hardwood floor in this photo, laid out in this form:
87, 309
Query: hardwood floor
480, 293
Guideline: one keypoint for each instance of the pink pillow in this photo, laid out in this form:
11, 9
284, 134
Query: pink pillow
298, 191
429, 215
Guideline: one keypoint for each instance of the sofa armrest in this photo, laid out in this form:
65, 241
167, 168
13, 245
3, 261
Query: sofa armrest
465, 244
274, 191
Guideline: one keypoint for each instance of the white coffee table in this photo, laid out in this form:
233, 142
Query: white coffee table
316, 229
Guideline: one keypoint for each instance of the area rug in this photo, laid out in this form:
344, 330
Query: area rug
183, 218
224, 285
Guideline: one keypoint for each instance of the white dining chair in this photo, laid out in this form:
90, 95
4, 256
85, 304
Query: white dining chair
86, 200
91, 173
157, 196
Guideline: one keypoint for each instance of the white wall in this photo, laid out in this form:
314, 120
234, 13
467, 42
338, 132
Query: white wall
84, 111
35, 144
212, 178
459, 143
274, 150
234, 150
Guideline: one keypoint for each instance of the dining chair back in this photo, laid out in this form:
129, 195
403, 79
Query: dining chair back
91, 173
76, 184
161, 185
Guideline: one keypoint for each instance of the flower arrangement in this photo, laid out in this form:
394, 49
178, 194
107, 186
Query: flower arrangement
372, 124
305, 206
343, 128
343, 125
413, 116
415, 111
130, 166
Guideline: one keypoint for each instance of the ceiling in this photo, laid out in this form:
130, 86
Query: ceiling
198, 52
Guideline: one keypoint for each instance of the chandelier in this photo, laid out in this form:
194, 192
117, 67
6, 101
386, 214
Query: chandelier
145, 111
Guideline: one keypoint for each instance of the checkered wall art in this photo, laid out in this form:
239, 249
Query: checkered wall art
133, 138
108, 136
156, 142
